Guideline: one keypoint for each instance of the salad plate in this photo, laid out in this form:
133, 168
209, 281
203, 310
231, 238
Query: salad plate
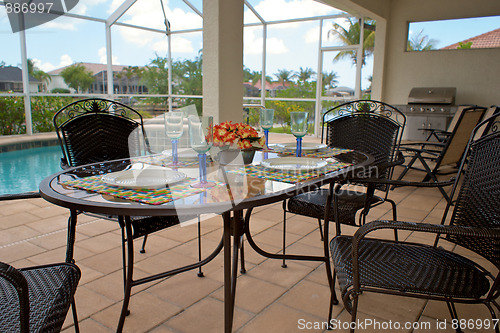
294, 163
306, 146
149, 178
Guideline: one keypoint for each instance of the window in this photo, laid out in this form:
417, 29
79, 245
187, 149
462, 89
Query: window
465, 33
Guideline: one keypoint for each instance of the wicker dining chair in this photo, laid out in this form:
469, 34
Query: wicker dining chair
368, 126
37, 299
431, 272
95, 130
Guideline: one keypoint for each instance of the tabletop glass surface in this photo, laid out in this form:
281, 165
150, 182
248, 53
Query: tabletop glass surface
235, 183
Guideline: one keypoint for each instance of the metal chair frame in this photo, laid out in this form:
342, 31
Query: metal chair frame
357, 111
95, 130
444, 154
474, 225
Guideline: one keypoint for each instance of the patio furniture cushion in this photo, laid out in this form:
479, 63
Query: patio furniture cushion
408, 268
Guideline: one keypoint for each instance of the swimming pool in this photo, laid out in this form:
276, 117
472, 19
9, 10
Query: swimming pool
23, 170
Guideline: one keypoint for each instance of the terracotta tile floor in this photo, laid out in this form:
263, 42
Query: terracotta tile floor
269, 298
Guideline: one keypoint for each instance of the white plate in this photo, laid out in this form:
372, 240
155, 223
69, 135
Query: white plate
153, 178
294, 163
182, 153
306, 146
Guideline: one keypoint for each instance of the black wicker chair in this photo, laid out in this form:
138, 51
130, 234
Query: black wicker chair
448, 153
95, 130
431, 272
37, 299
369, 126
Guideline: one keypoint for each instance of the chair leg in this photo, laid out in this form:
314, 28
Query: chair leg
354, 311
200, 272
143, 247
453, 313
283, 264
320, 229
75, 316
242, 254
493, 315
394, 217
333, 300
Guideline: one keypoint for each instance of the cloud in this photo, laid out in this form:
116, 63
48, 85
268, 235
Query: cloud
149, 14
253, 44
179, 44
103, 59
65, 60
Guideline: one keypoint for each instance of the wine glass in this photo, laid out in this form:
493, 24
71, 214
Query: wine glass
201, 138
174, 122
299, 128
266, 122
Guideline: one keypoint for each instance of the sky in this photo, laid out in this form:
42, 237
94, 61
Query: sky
290, 46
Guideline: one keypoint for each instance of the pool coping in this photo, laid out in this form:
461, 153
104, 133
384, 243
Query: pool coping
10, 143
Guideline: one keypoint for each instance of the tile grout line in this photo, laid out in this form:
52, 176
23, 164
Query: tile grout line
43, 235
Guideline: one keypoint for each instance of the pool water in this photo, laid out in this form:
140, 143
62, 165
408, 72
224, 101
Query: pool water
23, 170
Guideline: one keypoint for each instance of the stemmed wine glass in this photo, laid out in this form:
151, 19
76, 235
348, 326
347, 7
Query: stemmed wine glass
266, 122
299, 128
174, 122
201, 138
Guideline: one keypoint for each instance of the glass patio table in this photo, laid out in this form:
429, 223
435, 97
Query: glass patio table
237, 189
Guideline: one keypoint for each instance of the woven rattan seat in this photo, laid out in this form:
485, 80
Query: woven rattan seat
312, 204
46, 294
407, 268
364, 264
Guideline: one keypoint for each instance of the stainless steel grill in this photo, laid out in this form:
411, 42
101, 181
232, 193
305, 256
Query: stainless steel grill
428, 107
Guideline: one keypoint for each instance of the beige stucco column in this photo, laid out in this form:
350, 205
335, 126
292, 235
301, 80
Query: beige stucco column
223, 59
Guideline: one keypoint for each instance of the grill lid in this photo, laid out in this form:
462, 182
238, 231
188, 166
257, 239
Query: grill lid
427, 95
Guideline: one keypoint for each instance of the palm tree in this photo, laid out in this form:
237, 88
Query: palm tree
38, 74
284, 76
305, 74
420, 42
350, 36
330, 79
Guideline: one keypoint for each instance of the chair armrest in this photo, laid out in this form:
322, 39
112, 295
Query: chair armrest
425, 227
382, 181
18, 281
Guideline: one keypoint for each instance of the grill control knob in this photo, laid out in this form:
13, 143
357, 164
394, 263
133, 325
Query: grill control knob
422, 109
432, 109
442, 110
412, 109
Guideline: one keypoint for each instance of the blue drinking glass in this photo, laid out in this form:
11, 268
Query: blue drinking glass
266, 122
201, 138
174, 124
298, 126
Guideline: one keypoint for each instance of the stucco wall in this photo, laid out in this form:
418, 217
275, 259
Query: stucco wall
474, 72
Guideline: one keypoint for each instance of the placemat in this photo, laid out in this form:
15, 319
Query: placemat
152, 197
323, 153
291, 176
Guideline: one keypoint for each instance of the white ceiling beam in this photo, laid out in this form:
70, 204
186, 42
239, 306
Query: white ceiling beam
119, 12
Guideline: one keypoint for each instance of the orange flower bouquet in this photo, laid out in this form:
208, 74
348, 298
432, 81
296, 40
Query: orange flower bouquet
237, 135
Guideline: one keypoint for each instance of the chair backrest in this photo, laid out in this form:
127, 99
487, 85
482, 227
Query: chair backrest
457, 142
477, 200
95, 130
369, 126
492, 110
456, 116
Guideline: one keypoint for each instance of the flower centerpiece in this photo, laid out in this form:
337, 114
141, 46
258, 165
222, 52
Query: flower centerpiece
236, 137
